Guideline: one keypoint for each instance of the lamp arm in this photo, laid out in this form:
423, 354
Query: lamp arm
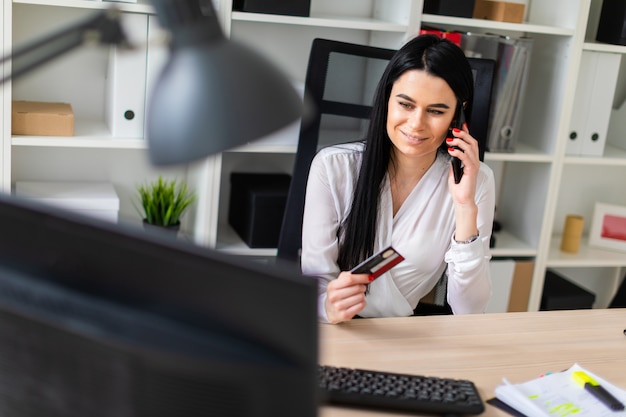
103, 28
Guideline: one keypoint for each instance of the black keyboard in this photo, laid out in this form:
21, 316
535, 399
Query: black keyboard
395, 391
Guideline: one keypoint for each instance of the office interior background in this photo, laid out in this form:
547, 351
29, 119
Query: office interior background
539, 182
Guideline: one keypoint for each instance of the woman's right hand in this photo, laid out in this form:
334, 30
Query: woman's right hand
345, 296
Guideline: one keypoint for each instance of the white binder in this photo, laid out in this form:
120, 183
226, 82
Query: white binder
593, 102
126, 81
157, 55
580, 110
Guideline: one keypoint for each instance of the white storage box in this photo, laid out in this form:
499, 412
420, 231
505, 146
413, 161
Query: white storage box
97, 199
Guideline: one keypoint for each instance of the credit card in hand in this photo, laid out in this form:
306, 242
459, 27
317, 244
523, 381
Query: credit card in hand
379, 263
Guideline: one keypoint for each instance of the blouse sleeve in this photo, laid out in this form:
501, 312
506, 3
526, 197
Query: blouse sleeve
319, 227
469, 281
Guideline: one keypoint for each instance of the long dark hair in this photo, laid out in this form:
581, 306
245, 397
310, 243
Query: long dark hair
436, 56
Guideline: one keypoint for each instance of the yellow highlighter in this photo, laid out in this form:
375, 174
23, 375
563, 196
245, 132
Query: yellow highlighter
594, 388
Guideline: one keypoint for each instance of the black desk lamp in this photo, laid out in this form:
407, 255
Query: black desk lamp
213, 94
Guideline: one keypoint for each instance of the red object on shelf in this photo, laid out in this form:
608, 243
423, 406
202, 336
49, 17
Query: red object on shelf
455, 37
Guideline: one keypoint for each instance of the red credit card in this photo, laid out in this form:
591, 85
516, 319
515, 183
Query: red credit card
379, 263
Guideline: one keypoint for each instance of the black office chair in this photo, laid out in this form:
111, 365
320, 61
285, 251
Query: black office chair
340, 82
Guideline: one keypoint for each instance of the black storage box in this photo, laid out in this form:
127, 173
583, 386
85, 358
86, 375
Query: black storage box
562, 294
458, 8
257, 205
619, 299
612, 25
284, 7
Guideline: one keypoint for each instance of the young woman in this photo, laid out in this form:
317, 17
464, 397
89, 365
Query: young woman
396, 188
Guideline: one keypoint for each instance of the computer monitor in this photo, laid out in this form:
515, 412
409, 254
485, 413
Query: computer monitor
101, 320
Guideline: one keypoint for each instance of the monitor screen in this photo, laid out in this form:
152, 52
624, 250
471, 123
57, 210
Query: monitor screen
101, 320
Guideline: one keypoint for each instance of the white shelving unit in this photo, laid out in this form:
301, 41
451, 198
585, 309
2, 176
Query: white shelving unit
78, 78
581, 181
537, 185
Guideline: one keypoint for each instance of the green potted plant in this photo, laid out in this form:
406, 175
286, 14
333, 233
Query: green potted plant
163, 202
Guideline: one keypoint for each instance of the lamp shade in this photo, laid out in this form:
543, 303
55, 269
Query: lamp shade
213, 94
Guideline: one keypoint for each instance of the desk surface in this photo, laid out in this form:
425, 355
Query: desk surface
483, 348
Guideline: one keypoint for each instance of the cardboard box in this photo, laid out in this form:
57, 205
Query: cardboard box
95, 199
38, 118
520, 287
501, 11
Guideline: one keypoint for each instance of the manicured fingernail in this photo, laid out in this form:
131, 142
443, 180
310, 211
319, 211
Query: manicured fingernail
455, 130
371, 278
449, 139
450, 149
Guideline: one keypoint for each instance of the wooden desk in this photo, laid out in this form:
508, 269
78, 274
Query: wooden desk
483, 348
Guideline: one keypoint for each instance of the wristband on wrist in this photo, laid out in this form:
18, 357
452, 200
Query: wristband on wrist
469, 240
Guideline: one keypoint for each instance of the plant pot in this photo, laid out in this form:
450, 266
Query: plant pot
171, 231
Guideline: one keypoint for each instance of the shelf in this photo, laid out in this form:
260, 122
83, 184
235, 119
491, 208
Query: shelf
230, 242
523, 153
586, 257
74, 142
604, 47
265, 148
140, 7
509, 246
88, 134
489, 25
340, 22
613, 156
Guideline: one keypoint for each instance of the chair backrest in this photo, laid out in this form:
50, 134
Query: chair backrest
340, 83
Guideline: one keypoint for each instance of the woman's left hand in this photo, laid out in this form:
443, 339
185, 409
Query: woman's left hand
463, 193
468, 154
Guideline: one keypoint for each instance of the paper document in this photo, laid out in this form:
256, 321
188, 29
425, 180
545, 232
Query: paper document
558, 395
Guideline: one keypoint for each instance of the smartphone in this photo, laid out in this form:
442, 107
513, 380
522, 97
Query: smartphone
379, 263
457, 167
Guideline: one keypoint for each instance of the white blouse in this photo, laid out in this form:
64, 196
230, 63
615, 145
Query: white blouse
422, 231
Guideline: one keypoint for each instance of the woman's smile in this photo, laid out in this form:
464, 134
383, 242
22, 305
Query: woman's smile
414, 138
